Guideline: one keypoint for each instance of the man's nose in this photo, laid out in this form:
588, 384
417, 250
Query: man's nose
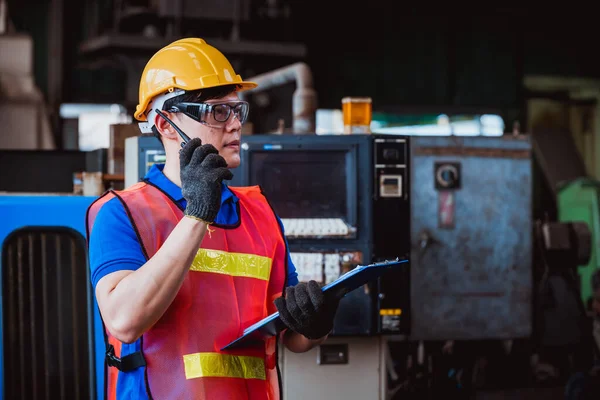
233, 123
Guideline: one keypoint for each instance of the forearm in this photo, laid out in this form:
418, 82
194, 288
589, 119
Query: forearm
297, 343
132, 303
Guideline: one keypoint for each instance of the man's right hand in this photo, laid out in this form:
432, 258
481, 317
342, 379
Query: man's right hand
202, 171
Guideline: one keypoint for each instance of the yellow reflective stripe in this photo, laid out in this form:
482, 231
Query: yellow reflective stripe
206, 365
234, 264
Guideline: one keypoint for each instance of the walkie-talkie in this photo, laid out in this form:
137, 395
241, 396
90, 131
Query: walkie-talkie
184, 137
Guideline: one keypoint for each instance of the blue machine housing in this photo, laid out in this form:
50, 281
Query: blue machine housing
472, 238
52, 211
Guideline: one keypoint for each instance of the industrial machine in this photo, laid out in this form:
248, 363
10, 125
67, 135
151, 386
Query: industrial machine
461, 209
578, 200
50, 324
141, 152
486, 279
471, 234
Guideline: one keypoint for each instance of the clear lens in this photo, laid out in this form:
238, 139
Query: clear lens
221, 112
241, 112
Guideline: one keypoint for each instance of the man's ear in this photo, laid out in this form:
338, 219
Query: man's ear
164, 128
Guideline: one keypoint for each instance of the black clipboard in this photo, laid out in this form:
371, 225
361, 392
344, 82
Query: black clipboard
351, 280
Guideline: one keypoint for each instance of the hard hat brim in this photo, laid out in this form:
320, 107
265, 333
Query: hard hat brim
247, 85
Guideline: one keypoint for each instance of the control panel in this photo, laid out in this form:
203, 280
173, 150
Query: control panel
391, 230
141, 153
355, 315
316, 227
324, 267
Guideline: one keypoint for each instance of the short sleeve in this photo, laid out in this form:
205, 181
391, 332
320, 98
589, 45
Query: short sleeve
113, 243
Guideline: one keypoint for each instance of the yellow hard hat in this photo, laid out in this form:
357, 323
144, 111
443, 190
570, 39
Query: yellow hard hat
186, 64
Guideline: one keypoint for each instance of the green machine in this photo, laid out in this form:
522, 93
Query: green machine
578, 201
573, 195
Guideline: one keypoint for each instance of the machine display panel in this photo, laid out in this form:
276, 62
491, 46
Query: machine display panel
303, 184
311, 186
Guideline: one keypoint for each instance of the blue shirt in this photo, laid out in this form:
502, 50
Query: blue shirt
114, 246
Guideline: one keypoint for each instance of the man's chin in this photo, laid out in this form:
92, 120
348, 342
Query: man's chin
233, 162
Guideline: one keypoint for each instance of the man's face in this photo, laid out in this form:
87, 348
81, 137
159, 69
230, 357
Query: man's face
225, 136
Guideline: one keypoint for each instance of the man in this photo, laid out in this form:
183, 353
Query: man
181, 263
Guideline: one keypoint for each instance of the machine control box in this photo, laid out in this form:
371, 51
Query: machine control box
391, 230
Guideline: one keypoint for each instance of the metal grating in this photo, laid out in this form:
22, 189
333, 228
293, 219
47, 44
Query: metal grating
47, 316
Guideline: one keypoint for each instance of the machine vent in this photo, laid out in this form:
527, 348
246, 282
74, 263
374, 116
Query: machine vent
47, 316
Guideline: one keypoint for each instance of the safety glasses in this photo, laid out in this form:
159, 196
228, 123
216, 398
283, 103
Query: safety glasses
220, 111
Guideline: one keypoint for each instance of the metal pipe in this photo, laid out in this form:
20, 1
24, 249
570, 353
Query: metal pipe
21, 308
304, 101
32, 318
10, 306
75, 312
60, 311
45, 311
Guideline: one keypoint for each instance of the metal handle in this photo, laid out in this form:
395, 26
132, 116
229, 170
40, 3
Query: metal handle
425, 241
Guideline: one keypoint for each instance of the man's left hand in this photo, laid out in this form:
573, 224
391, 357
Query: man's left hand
306, 310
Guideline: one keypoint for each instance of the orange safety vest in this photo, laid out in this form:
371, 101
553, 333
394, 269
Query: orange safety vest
232, 283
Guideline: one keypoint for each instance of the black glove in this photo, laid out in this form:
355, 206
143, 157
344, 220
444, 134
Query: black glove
202, 172
305, 309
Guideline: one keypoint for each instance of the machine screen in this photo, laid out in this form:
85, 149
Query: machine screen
303, 184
